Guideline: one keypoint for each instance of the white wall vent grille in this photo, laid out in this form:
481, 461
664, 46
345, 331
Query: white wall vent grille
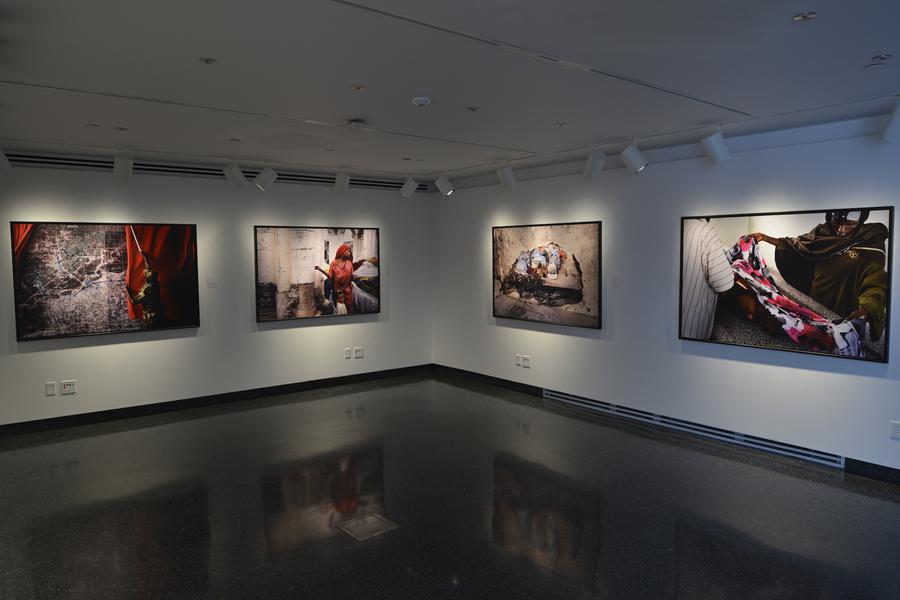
588, 406
102, 163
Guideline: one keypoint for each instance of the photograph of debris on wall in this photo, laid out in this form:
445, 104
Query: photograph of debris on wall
74, 279
803, 281
304, 272
548, 273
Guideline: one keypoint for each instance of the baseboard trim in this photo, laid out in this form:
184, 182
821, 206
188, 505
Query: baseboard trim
145, 410
851, 465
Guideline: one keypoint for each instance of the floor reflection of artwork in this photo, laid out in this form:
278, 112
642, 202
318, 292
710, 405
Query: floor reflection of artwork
316, 272
548, 273
547, 518
811, 281
308, 502
150, 546
725, 565
73, 279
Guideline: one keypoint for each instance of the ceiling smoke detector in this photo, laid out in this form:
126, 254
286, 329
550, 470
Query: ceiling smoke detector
421, 101
804, 17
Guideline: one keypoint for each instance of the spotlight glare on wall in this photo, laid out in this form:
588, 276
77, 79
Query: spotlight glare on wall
235, 176
507, 177
633, 159
409, 188
122, 167
443, 184
716, 148
265, 178
594, 164
5, 167
341, 183
891, 131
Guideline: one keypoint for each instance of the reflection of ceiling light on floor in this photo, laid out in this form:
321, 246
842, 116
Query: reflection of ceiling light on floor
803, 17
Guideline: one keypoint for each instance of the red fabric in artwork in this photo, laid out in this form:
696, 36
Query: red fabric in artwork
21, 233
172, 253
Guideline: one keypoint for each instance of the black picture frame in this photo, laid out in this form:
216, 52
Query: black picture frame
256, 229
888, 258
495, 275
19, 334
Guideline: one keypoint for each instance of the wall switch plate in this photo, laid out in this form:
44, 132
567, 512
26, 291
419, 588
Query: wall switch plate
49, 388
68, 387
526, 361
359, 352
518, 360
895, 430
348, 353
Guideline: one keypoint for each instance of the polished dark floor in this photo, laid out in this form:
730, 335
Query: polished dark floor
495, 497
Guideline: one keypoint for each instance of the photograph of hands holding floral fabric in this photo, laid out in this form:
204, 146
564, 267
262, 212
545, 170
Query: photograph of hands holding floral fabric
811, 281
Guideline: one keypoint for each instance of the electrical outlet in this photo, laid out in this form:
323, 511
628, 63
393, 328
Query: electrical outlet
518, 360
895, 430
348, 353
359, 352
69, 387
49, 388
526, 361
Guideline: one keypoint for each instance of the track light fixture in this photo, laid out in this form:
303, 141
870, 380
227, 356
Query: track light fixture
633, 159
122, 167
409, 188
341, 183
507, 177
892, 129
716, 148
443, 184
5, 167
235, 176
594, 164
265, 178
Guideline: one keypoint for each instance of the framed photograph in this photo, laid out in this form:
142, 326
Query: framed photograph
548, 273
815, 281
76, 279
304, 272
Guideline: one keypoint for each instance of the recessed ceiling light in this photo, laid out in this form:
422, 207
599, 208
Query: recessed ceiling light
560, 124
120, 128
803, 17
473, 108
357, 87
234, 139
91, 125
421, 101
208, 60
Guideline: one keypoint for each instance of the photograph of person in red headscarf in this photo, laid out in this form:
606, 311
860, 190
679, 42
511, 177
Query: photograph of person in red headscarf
304, 272
75, 279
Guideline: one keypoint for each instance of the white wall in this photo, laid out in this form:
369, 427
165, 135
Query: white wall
229, 351
838, 406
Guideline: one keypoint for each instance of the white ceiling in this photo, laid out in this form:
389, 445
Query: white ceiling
639, 69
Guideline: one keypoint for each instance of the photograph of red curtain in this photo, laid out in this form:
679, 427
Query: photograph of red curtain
172, 252
21, 233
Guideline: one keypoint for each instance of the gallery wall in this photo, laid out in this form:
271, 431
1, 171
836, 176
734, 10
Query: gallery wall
229, 351
829, 404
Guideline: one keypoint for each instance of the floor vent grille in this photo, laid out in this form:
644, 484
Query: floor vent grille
589, 406
143, 167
